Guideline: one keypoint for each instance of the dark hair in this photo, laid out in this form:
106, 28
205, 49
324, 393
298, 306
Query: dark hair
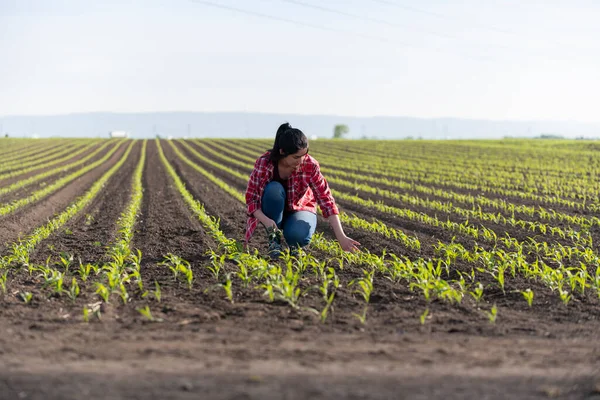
288, 139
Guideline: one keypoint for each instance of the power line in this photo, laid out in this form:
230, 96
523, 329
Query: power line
326, 28
534, 52
488, 27
307, 24
376, 20
441, 16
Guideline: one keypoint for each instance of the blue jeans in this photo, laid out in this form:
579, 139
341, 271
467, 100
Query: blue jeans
298, 226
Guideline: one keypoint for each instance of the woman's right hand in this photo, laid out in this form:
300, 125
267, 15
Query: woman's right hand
263, 219
269, 223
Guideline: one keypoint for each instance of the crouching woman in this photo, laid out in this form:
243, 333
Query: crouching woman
282, 193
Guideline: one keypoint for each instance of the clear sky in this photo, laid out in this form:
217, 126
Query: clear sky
536, 59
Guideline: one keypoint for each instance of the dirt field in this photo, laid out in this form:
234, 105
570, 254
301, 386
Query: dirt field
207, 347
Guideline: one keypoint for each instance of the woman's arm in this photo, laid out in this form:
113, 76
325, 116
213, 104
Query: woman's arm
330, 211
263, 219
346, 243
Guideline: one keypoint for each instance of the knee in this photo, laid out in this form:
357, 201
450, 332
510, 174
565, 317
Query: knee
274, 190
298, 236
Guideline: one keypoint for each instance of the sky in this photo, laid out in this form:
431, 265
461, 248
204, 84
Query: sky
482, 59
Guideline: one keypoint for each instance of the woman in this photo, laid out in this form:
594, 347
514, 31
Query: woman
283, 190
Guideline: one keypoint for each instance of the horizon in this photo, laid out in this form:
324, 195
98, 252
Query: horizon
230, 124
297, 114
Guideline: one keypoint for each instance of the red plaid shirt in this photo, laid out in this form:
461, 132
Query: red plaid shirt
306, 186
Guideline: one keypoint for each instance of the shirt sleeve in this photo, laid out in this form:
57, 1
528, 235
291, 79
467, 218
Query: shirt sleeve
253, 190
320, 188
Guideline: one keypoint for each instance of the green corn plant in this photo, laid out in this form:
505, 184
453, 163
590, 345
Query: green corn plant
492, 314
528, 295
103, 291
227, 287
188, 273
477, 293
423, 316
177, 264
89, 218
244, 275
565, 296
136, 277
329, 279
55, 279
84, 271
217, 262
3, 278
135, 259
365, 284
596, 282
318, 267
19, 255
579, 280
145, 311
26, 297
74, 290
157, 292
286, 287
123, 293
94, 309
114, 277
283, 286
66, 260
365, 288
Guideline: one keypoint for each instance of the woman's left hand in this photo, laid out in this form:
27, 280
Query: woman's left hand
348, 244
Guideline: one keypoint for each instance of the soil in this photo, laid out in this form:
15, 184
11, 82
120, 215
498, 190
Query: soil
24, 220
29, 189
204, 346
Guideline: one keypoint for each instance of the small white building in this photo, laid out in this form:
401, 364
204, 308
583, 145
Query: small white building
119, 134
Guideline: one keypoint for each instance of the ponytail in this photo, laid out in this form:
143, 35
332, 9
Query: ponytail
289, 140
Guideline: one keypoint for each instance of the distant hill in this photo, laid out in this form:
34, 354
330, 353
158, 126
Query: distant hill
259, 125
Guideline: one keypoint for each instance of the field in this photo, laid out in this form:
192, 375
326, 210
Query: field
122, 273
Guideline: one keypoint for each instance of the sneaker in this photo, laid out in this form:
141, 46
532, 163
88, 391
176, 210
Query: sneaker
274, 243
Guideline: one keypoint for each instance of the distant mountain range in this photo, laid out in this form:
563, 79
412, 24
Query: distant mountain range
263, 125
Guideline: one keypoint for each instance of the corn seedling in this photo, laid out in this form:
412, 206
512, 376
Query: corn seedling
85, 270
477, 293
3, 278
244, 275
217, 262
55, 279
528, 295
123, 293
565, 296
156, 292
102, 291
89, 218
26, 297
492, 314
227, 287
94, 309
145, 311
74, 290
365, 288
424, 316
178, 265
329, 279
